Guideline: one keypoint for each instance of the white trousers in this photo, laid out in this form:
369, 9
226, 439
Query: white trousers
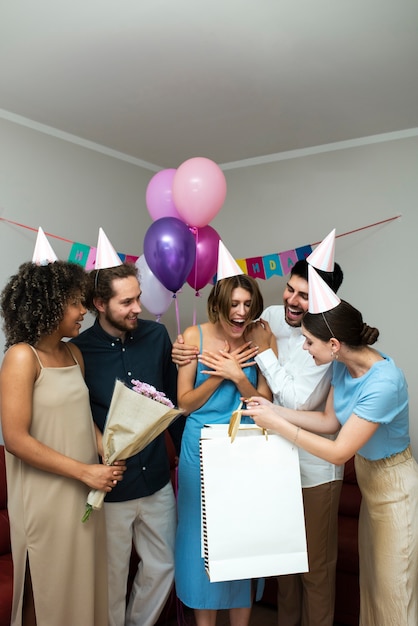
149, 522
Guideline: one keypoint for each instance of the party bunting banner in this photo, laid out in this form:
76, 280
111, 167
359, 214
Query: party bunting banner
278, 264
263, 267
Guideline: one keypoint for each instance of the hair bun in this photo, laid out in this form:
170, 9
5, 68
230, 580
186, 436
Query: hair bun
369, 335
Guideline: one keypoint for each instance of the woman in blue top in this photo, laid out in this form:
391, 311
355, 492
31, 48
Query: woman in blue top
368, 405
209, 390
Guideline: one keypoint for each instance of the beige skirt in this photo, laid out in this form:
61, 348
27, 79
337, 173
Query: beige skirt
388, 540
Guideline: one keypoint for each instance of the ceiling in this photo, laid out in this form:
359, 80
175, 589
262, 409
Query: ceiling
162, 81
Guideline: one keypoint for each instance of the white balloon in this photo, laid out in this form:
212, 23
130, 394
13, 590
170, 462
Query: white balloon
155, 297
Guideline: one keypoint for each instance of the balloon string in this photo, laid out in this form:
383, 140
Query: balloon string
177, 314
195, 232
197, 295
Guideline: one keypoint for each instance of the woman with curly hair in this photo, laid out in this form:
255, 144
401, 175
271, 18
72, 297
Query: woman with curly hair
51, 452
368, 406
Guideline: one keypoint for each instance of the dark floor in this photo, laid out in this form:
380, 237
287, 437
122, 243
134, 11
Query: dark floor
261, 615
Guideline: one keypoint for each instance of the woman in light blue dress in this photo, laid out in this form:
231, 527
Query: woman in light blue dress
209, 390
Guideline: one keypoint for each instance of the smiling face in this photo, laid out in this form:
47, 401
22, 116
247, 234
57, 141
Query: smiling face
321, 351
74, 313
120, 314
295, 300
224, 294
238, 318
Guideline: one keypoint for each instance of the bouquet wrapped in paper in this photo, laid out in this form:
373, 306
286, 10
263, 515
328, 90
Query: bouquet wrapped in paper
136, 417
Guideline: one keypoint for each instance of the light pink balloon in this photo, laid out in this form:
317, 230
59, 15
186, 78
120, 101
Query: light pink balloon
199, 191
159, 195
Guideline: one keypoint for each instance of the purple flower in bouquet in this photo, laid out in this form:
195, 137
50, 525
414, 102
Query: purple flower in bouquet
151, 392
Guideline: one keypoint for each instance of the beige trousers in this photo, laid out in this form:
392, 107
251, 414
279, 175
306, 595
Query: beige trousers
388, 540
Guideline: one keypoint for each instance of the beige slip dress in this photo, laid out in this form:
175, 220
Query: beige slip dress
67, 559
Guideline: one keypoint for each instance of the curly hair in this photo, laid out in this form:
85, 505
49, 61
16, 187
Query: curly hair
220, 298
34, 300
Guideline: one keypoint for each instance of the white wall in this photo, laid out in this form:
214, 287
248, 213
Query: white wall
70, 191
290, 203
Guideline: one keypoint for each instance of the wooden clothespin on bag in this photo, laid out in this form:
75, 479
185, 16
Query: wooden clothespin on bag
235, 421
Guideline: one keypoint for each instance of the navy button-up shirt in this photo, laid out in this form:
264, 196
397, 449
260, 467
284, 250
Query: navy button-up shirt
145, 355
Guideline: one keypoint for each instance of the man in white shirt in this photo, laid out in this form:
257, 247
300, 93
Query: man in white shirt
296, 382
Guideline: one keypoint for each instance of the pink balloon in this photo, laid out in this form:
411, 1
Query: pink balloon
199, 191
159, 195
206, 263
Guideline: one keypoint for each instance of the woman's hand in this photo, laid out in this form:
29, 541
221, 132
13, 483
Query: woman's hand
104, 477
223, 364
217, 361
182, 353
245, 352
263, 412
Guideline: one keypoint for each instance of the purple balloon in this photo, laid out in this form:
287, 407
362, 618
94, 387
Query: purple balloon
170, 251
206, 263
159, 196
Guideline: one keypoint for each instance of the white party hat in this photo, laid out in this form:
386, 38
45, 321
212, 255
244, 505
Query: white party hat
43, 253
321, 297
323, 256
106, 255
227, 266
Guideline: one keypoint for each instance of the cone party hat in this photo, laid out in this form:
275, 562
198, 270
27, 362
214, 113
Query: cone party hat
106, 255
227, 266
323, 256
321, 297
43, 252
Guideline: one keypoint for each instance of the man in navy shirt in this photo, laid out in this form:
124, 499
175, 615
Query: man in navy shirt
141, 508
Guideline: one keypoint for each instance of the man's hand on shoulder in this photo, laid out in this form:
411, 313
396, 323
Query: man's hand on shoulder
182, 353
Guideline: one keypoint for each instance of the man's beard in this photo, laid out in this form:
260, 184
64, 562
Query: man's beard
291, 322
122, 326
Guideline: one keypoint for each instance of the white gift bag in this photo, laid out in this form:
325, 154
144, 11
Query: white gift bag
252, 511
